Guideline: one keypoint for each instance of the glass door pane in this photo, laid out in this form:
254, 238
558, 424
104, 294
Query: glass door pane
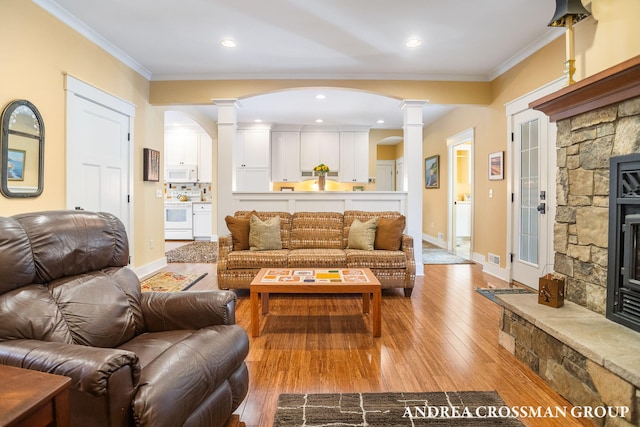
529, 188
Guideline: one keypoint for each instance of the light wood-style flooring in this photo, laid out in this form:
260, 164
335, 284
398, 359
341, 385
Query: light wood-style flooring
443, 338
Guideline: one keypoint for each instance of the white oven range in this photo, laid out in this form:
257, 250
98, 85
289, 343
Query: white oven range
178, 220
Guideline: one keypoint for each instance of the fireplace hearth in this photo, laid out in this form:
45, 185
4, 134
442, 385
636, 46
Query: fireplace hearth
623, 283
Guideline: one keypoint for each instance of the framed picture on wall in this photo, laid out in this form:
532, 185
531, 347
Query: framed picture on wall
151, 165
496, 165
432, 172
15, 164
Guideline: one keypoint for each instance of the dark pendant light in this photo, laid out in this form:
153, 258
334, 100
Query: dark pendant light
566, 8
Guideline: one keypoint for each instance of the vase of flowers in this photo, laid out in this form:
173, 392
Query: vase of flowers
321, 171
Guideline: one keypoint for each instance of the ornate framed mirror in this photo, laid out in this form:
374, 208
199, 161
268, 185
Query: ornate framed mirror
22, 161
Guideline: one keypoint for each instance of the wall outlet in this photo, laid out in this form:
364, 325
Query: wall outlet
441, 236
151, 244
159, 193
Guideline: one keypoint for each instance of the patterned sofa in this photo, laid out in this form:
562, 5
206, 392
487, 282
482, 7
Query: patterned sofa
320, 240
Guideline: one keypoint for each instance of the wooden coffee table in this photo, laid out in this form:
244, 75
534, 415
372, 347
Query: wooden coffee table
316, 281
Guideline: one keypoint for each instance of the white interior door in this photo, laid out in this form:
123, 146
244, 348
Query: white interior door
97, 156
460, 197
400, 184
385, 177
533, 166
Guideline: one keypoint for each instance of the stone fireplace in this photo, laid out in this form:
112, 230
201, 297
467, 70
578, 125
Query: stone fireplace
597, 118
588, 350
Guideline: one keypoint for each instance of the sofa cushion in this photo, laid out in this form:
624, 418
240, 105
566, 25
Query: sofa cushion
257, 259
375, 259
389, 233
101, 308
239, 228
362, 234
66, 243
316, 230
318, 258
264, 235
285, 222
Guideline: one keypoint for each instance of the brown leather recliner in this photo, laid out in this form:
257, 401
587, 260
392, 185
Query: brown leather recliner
70, 306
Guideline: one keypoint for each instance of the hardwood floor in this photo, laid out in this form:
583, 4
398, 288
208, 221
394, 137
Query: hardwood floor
443, 338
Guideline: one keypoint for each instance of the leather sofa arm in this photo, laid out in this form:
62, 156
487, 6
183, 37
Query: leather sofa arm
89, 368
188, 310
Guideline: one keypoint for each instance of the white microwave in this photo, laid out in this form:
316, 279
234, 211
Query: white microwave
181, 173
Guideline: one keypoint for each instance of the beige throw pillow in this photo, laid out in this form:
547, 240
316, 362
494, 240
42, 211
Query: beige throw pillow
264, 235
362, 234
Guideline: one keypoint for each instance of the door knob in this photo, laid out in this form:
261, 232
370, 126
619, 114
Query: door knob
542, 208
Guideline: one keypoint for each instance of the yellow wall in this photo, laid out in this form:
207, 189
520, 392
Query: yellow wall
607, 38
34, 64
37, 51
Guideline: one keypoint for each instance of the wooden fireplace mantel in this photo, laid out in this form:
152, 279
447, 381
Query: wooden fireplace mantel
607, 87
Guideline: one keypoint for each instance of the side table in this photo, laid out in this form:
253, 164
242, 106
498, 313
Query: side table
32, 398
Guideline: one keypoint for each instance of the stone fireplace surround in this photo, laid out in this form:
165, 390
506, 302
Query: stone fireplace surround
588, 359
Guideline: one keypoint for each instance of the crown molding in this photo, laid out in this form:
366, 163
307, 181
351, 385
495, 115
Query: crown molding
63, 15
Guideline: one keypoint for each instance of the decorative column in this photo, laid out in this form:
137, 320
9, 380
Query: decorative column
227, 131
412, 181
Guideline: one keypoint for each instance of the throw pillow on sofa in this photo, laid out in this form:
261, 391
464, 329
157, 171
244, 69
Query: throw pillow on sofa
362, 235
264, 235
389, 233
239, 228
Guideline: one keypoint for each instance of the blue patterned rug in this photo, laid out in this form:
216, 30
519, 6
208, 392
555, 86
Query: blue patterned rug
491, 293
441, 256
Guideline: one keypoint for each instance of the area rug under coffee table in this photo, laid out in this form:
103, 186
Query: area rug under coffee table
393, 409
167, 281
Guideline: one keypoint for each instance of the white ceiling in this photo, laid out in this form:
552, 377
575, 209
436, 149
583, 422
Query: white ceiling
468, 40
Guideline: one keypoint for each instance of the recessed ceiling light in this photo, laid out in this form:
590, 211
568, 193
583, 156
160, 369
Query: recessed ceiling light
228, 43
319, 120
380, 122
258, 120
320, 96
413, 42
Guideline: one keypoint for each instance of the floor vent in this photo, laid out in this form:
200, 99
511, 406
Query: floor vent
494, 259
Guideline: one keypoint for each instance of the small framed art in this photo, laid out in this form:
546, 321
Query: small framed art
151, 165
432, 172
496, 165
15, 164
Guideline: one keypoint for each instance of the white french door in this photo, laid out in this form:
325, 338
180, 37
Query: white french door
533, 161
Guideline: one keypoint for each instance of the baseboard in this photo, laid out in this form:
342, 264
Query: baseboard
149, 269
435, 241
487, 267
492, 269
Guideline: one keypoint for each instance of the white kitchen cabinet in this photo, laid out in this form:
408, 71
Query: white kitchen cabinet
253, 160
354, 157
181, 147
285, 156
319, 147
253, 148
202, 228
252, 179
205, 157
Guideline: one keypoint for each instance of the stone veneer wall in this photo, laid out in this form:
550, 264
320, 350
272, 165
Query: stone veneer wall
577, 378
585, 143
